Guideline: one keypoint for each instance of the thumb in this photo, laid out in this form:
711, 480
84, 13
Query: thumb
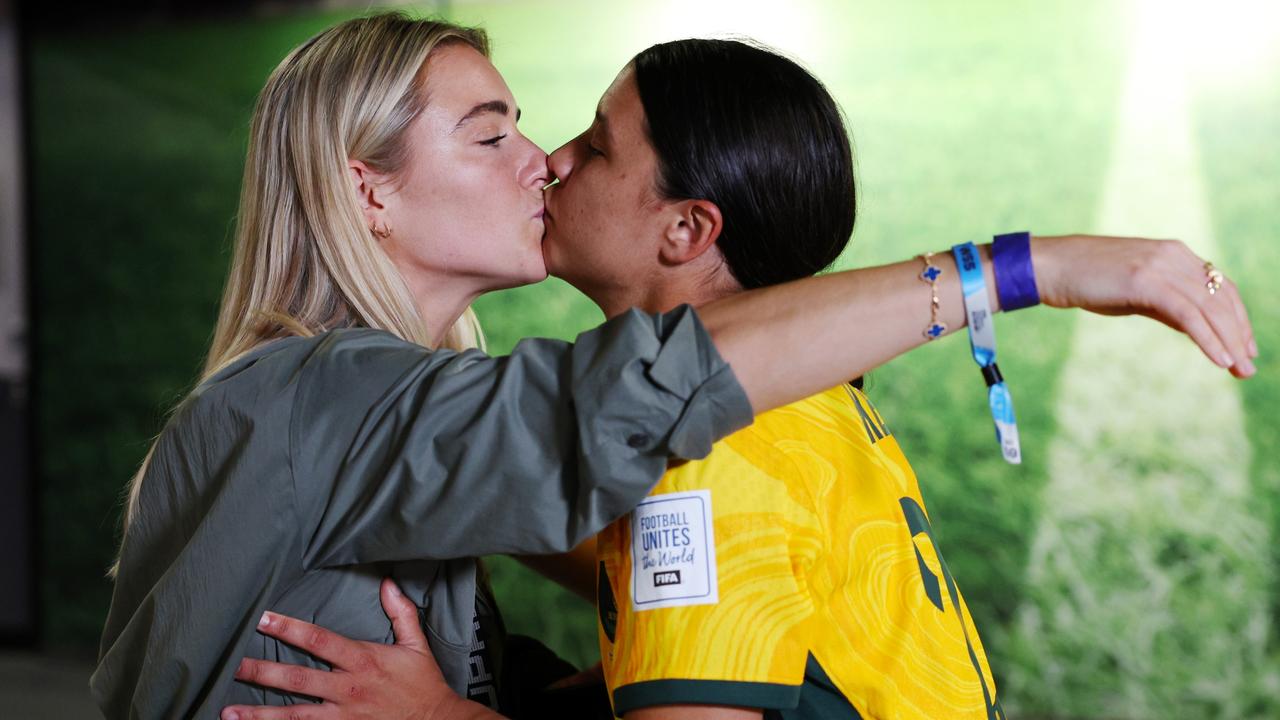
404, 617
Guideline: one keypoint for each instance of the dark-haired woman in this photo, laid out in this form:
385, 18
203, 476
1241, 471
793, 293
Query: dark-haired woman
792, 570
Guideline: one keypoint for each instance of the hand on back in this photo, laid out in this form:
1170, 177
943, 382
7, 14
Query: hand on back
368, 680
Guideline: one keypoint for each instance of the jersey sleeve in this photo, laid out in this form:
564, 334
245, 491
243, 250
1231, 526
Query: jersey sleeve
402, 453
703, 592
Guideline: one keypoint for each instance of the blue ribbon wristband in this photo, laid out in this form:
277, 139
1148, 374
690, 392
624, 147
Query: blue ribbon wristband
1015, 277
982, 340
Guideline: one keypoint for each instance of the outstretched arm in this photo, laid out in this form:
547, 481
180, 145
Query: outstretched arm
864, 318
546, 446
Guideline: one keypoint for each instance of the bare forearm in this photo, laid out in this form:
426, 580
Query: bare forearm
791, 341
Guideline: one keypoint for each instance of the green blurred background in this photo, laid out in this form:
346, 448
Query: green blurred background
968, 119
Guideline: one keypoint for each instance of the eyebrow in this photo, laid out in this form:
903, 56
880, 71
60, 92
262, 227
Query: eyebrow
493, 106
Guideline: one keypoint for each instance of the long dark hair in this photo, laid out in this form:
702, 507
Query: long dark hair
752, 131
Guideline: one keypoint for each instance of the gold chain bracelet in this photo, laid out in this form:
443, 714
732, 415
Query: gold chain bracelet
930, 274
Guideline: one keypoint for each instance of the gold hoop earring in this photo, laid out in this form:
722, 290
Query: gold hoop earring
384, 232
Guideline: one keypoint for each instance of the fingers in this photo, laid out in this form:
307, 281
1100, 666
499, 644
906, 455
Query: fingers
404, 617
1183, 314
295, 679
1242, 316
1222, 317
327, 645
1161, 280
289, 712
1224, 311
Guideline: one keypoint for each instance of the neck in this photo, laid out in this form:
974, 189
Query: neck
440, 300
667, 293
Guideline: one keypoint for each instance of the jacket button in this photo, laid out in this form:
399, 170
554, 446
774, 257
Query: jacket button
637, 441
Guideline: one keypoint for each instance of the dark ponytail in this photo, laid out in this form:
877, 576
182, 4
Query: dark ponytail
759, 136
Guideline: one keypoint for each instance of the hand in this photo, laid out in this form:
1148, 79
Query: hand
368, 680
1161, 279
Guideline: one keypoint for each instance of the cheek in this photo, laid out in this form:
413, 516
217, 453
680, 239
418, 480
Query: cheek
471, 222
470, 198
459, 200
598, 212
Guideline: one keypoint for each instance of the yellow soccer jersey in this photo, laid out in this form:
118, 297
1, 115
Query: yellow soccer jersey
794, 570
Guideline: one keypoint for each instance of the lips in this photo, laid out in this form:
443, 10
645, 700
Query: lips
542, 206
547, 193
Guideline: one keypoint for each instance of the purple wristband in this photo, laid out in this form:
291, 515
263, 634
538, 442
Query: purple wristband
1015, 278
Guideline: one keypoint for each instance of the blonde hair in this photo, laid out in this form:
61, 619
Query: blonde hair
305, 261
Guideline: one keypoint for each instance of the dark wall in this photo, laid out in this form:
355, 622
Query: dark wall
18, 609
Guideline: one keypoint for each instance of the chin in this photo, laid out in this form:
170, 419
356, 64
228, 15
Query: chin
535, 265
534, 271
536, 276
549, 261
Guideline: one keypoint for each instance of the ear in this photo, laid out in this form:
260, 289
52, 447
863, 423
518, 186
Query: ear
368, 186
693, 230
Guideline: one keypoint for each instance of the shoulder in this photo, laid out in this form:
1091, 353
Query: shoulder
259, 375
776, 455
354, 376
255, 390
356, 359
800, 417
818, 423
285, 357
348, 344
812, 441
331, 364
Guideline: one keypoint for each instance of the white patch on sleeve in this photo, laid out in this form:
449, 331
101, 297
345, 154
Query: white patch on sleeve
673, 551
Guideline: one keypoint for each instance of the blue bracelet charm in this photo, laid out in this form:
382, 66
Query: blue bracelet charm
935, 329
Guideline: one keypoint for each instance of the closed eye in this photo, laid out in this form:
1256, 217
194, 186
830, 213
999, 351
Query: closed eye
493, 141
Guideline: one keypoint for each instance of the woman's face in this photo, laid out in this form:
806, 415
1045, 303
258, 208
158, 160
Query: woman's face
604, 216
467, 210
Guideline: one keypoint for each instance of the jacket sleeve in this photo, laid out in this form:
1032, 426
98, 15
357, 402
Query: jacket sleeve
401, 452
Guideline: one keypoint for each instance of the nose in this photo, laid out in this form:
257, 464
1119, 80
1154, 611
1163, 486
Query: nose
560, 162
535, 170
537, 176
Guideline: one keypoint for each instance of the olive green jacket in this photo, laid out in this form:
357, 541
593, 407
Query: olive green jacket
296, 478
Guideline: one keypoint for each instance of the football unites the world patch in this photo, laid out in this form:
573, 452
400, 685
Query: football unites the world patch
673, 551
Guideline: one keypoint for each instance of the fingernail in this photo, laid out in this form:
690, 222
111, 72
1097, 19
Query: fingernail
1253, 347
242, 668
264, 621
395, 589
1226, 360
230, 715
1247, 367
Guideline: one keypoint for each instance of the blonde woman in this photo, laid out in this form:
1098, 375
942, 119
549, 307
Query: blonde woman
345, 430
